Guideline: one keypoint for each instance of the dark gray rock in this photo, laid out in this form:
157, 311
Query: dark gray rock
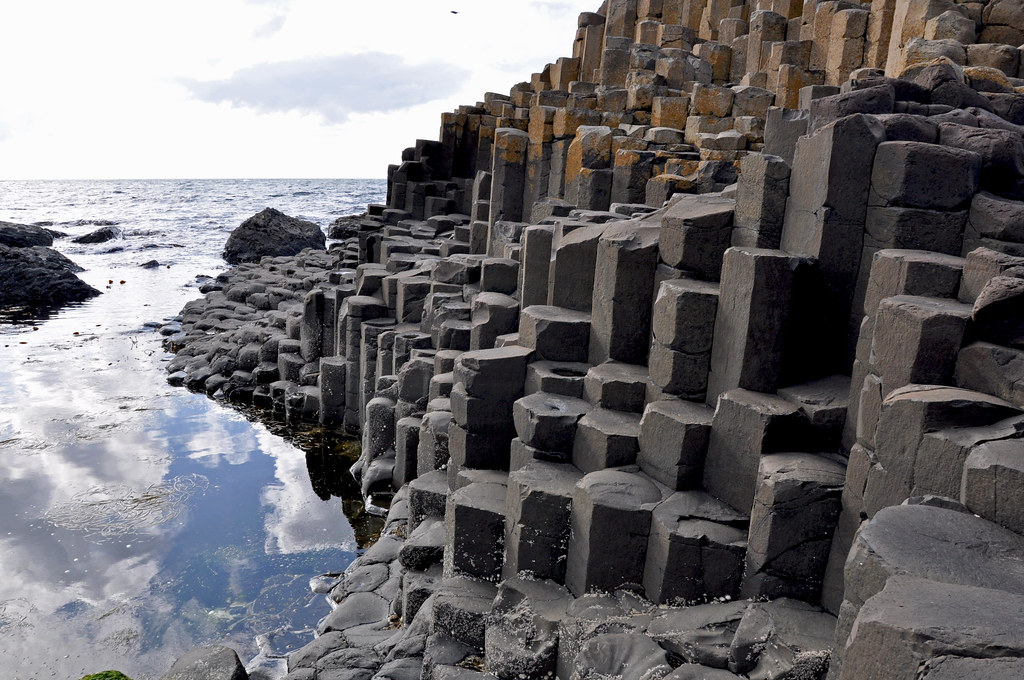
992, 369
621, 655
998, 312
101, 235
355, 610
916, 175
700, 634
344, 227
905, 127
782, 639
695, 550
914, 619
1001, 151
877, 99
208, 663
24, 235
273, 233
521, 639
610, 523
39, 277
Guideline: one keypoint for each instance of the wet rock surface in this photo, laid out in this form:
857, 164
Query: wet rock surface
39, 277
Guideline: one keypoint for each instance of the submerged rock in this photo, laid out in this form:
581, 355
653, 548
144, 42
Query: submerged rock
24, 235
208, 663
273, 233
39, 277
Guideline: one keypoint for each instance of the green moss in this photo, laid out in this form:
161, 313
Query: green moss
107, 675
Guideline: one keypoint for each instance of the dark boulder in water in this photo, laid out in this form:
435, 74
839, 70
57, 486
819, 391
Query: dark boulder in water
272, 233
39, 277
24, 235
101, 235
215, 662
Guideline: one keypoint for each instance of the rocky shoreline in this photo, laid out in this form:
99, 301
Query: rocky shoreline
668, 381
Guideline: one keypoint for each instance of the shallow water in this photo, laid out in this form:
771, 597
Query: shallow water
139, 520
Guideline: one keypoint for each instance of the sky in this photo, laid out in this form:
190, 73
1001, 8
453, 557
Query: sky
123, 89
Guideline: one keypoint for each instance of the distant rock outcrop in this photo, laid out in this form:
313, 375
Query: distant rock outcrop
273, 233
39, 277
101, 235
24, 235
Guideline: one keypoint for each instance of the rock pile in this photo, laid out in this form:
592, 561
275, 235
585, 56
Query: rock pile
698, 355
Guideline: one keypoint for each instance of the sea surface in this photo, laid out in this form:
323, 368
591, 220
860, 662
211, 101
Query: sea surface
137, 520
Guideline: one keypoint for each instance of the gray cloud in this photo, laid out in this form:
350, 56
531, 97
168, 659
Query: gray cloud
333, 87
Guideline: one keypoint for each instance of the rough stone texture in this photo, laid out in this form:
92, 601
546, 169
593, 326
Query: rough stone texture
39, 277
746, 425
720, 337
15, 235
673, 442
207, 663
611, 519
795, 509
695, 549
271, 232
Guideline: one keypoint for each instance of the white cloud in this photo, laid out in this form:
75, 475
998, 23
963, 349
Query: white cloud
333, 87
102, 94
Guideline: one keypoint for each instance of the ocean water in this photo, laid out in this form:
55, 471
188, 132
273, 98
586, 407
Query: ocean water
137, 520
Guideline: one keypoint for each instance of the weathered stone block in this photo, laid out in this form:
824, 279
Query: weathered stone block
538, 508
616, 386
606, 439
555, 333
475, 531
673, 442
548, 421
916, 340
610, 525
753, 308
695, 549
795, 510
761, 201
916, 175
564, 378
571, 284
746, 425
695, 232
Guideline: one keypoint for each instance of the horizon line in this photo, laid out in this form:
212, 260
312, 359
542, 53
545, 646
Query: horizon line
174, 179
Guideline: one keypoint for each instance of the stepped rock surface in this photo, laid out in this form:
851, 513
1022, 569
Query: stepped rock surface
696, 355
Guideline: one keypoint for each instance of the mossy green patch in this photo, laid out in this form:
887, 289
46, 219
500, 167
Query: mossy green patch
107, 675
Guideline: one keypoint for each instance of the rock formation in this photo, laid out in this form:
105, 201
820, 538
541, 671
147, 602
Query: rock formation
697, 355
271, 232
39, 278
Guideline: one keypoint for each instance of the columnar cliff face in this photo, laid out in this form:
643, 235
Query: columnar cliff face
724, 310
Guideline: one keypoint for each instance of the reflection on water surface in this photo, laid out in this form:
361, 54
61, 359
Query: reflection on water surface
139, 520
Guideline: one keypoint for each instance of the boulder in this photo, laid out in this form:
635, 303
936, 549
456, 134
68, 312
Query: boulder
39, 277
101, 235
208, 663
24, 235
273, 233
